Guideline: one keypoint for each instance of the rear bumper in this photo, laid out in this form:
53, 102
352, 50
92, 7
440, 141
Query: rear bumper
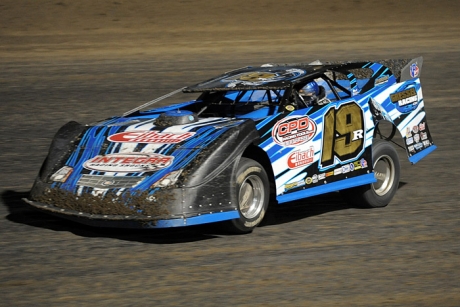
135, 221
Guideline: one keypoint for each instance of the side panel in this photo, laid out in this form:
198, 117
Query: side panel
403, 105
320, 146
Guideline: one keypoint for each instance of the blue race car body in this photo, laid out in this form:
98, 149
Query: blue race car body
250, 132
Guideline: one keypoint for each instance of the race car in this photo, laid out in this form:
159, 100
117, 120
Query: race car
272, 133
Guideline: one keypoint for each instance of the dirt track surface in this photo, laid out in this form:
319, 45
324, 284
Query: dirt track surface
76, 60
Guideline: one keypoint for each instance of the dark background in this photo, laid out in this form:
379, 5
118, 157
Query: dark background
79, 60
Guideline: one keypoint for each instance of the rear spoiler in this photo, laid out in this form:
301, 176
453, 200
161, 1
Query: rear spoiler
413, 69
404, 69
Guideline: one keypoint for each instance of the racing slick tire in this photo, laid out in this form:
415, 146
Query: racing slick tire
253, 192
387, 172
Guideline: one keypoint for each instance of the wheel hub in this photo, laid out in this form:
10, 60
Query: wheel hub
384, 171
251, 197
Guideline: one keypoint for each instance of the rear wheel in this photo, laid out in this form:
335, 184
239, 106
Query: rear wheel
386, 171
252, 189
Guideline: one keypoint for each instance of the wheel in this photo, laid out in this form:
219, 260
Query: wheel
252, 187
387, 172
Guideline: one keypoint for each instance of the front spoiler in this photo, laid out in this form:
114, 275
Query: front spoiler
135, 221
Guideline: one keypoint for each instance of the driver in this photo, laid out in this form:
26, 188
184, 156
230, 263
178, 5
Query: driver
313, 94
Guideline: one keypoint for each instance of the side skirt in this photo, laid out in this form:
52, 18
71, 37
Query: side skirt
328, 187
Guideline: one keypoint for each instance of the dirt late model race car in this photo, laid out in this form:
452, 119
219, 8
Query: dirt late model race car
283, 131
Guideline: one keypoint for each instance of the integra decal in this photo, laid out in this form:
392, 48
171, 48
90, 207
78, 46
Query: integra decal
149, 136
294, 131
128, 163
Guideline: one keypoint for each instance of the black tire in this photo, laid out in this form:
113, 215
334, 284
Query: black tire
387, 172
253, 192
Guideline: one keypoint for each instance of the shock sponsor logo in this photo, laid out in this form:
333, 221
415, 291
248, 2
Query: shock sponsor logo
301, 158
128, 163
151, 137
294, 131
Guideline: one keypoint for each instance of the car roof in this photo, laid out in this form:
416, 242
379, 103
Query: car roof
283, 76
267, 77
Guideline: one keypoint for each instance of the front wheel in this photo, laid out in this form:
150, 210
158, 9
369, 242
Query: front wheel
386, 171
252, 188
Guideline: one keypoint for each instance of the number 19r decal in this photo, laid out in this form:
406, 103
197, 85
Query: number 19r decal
343, 133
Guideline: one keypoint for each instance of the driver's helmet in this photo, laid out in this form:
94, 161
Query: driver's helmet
309, 93
311, 89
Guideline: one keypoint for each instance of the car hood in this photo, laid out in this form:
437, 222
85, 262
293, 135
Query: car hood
139, 154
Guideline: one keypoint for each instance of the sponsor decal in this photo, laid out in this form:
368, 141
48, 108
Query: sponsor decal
294, 131
414, 70
322, 176
408, 132
352, 167
423, 135
381, 80
357, 165
411, 148
331, 173
418, 146
409, 141
128, 162
314, 178
400, 97
363, 163
62, 174
355, 91
415, 129
338, 171
421, 126
308, 180
301, 158
262, 77
406, 100
417, 138
426, 143
346, 169
293, 185
150, 137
